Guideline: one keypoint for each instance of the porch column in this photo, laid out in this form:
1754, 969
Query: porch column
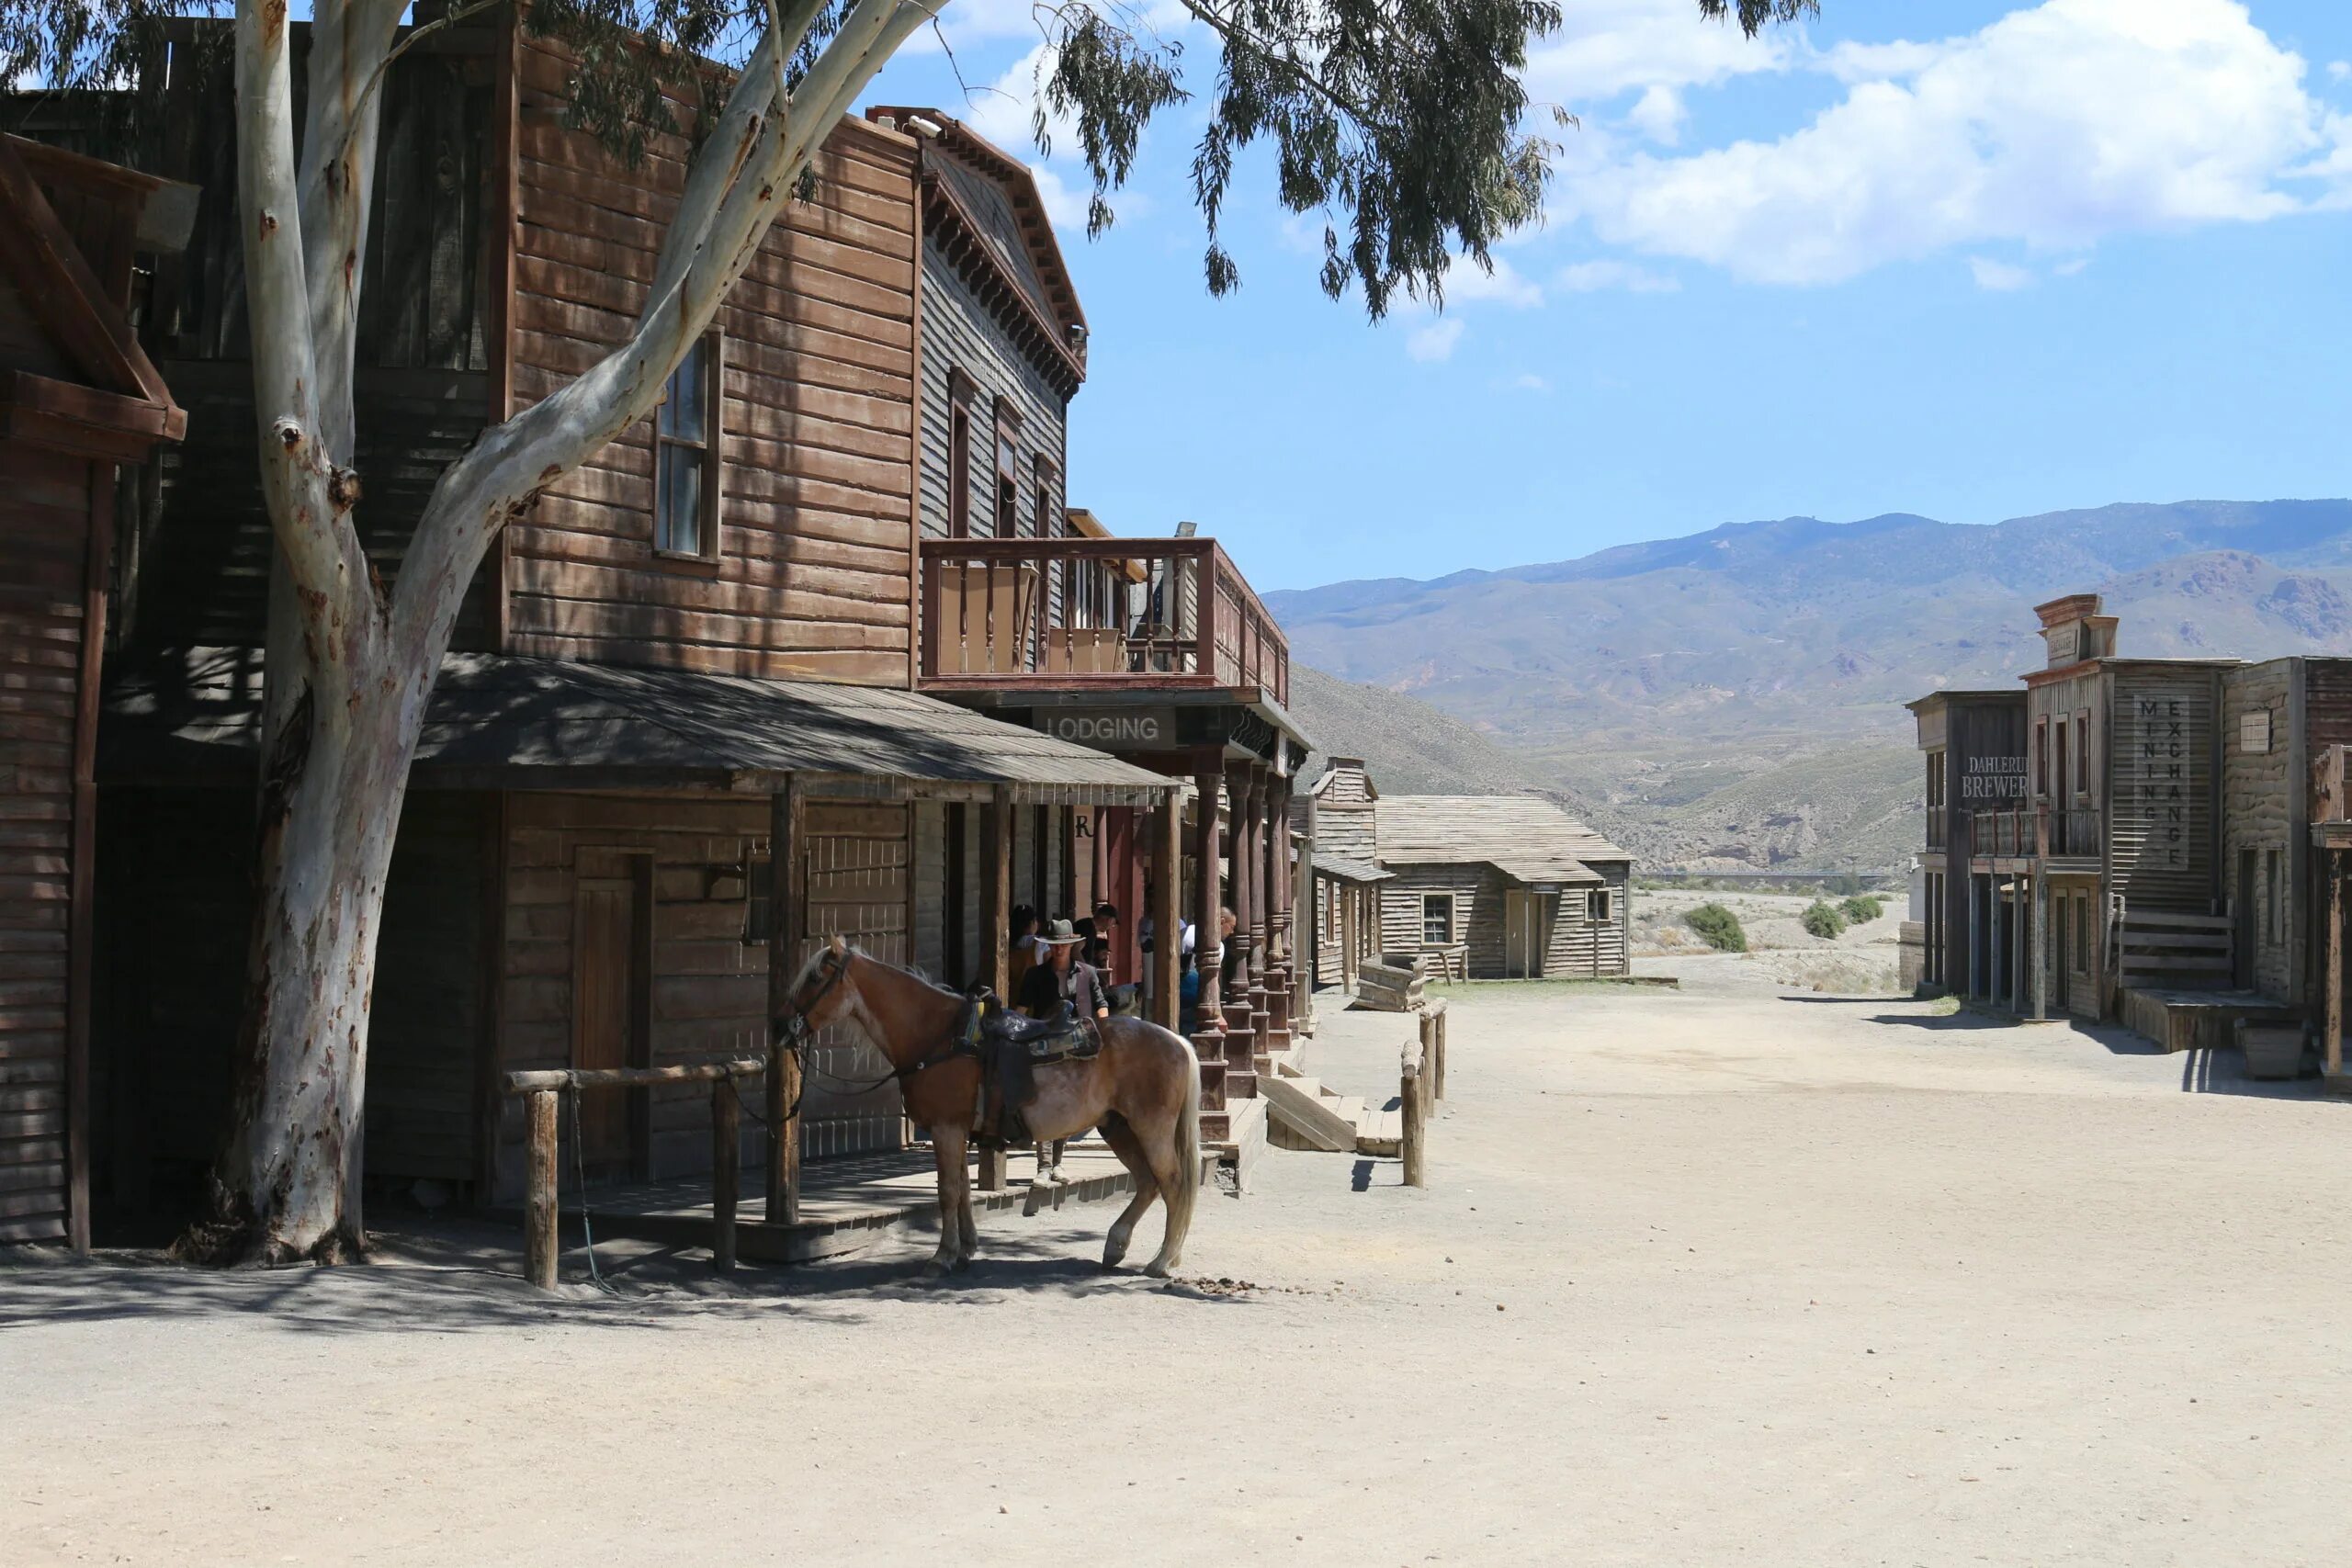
1167, 907
1237, 857
996, 929
1304, 956
2041, 947
2332, 1042
785, 855
1261, 923
1280, 928
1209, 953
2019, 982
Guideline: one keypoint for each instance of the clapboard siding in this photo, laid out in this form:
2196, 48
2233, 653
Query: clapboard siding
1576, 944
708, 986
961, 333
817, 458
2162, 838
2259, 815
44, 542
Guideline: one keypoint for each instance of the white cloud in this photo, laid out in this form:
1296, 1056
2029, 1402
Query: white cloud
1503, 286
1607, 47
1999, 277
2050, 127
1435, 341
2339, 68
1586, 277
1528, 381
2069, 266
1659, 114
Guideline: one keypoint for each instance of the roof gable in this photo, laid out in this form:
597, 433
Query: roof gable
1519, 835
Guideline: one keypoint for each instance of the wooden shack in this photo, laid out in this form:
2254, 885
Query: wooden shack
1501, 887
80, 401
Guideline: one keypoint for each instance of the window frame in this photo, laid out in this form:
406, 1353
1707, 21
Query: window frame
961, 389
711, 445
2083, 753
1597, 908
1005, 457
1446, 898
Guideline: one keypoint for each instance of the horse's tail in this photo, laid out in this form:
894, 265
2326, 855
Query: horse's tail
1188, 1152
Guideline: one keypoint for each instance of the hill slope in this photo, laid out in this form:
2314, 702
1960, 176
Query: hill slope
1735, 697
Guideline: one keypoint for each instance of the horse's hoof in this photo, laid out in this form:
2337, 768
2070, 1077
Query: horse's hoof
1157, 1269
936, 1266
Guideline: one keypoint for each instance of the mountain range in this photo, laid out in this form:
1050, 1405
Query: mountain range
1734, 698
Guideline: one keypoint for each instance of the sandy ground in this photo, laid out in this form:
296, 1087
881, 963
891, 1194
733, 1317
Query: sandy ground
1863, 958
1702, 1277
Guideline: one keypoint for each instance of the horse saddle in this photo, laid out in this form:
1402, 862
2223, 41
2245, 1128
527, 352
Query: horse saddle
1010, 1044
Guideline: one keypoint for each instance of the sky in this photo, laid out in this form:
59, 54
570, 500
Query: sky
1971, 260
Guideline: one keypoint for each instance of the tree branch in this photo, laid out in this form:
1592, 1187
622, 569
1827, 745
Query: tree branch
319, 548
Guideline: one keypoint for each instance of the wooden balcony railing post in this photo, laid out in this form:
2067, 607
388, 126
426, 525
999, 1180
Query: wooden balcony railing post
1204, 608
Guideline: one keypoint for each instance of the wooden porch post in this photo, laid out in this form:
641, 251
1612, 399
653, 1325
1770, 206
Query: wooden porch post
1252, 868
2041, 946
784, 856
996, 854
1208, 951
2332, 1042
1167, 908
1280, 926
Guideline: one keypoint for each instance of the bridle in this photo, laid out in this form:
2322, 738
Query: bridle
794, 1026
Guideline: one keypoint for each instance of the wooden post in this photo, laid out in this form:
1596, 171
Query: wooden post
785, 853
1427, 1077
1208, 1023
1409, 1102
724, 1155
2332, 1044
2041, 919
1168, 910
539, 1245
997, 861
1437, 1016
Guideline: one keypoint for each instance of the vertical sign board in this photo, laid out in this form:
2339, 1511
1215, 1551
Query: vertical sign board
2160, 775
2162, 806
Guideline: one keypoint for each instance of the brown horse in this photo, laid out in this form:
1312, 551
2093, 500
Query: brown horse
1142, 1091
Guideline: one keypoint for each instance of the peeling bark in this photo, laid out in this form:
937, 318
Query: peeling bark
349, 665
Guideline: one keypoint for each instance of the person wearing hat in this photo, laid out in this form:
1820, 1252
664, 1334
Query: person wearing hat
1060, 978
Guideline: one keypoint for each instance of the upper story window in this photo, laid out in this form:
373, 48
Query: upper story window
960, 388
685, 456
1934, 780
1007, 471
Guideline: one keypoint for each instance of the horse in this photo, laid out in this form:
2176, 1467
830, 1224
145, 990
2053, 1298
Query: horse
1142, 1091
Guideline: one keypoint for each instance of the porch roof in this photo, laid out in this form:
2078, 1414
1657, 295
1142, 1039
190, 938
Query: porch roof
498, 721
1347, 869
1527, 839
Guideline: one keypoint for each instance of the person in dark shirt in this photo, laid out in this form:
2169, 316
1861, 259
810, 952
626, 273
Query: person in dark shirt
1060, 978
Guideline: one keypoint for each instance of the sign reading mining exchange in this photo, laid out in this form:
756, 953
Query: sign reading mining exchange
1111, 729
2161, 782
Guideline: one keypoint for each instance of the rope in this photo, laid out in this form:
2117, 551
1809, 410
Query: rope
580, 1169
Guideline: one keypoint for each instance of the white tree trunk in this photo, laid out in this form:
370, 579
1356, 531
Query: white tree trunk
349, 667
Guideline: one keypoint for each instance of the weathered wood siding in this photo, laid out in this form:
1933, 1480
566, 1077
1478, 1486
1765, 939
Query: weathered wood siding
709, 987
44, 544
814, 570
959, 332
2324, 720
1575, 944
2259, 815
2161, 830
195, 549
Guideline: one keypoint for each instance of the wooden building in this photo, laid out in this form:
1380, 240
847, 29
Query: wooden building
80, 401
1334, 815
2152, 862
1156, 650
690, 723
1487, 886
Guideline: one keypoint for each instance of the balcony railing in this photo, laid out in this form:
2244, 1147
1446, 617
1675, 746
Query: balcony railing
1107, 614
2035, 831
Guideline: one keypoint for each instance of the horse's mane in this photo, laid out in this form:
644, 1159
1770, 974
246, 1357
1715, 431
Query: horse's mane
807, 969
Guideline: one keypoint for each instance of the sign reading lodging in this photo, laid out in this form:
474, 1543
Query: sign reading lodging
1111, 729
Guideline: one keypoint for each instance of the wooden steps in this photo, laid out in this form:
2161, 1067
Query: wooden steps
2168, 949
1303, 1114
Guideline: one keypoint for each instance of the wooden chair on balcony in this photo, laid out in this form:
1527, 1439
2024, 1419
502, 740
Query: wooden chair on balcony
987, 619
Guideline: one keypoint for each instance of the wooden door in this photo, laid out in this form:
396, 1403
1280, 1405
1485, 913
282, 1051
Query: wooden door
604, 1012
1521, 960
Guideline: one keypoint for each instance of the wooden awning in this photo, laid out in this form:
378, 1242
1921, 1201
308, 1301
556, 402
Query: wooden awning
1341, 868
498, 722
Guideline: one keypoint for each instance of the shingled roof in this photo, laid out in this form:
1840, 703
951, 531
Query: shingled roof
1528, 839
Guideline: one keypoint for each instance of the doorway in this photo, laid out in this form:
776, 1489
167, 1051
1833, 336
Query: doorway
1522, 947
611, 1026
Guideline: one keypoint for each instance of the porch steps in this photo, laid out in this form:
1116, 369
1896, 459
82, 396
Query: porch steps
1303, 1114
2199, 1020
2174, 950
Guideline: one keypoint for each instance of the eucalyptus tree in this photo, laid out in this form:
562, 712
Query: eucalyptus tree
1405, 122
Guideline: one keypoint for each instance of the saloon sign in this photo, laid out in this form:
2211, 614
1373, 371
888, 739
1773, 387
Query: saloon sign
1111, 729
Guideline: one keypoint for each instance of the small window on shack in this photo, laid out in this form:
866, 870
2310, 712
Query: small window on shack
1596, 906
687, 445
1437, 918
2254, 732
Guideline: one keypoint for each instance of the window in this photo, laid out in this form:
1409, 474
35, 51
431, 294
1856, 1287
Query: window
1437, 918
685, 456
1596, 906
1045, 522
2254, 732
1934, 780
2081, 954
2082, 750
2040, 757
960, 388
1007, 470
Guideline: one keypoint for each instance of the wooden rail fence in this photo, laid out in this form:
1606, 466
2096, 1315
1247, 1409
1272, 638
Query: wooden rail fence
545, 1089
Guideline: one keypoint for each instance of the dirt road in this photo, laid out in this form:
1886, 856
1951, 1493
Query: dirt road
1702, 1277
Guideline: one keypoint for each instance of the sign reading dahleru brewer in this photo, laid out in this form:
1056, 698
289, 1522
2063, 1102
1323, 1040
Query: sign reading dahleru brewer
1992, 781
1111, 729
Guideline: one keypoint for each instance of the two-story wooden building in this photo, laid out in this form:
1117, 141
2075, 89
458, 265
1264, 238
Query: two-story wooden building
694, 718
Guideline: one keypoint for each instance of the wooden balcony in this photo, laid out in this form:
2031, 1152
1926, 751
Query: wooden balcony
1095, 615
2036, 831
